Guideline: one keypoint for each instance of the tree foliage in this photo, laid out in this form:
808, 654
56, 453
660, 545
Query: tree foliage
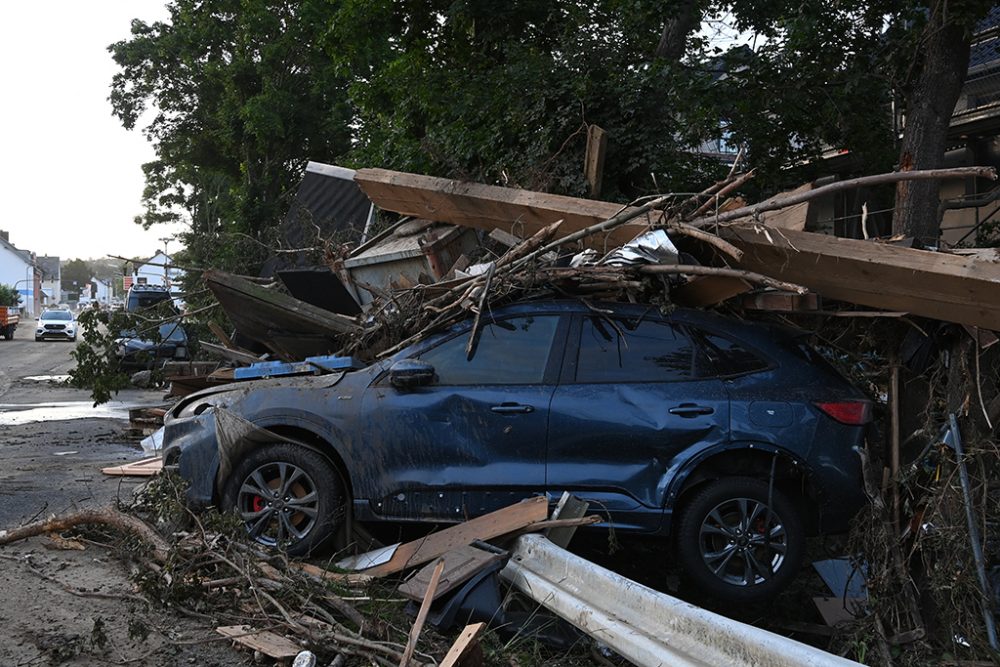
75, 276
245, 91
241, 98
9, 296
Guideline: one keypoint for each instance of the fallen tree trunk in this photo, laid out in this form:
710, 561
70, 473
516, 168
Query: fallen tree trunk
106, 517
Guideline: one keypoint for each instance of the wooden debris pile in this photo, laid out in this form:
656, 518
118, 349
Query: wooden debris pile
573, 248
206, 568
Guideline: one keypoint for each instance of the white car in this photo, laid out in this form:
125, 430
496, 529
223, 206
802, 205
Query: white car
56, 324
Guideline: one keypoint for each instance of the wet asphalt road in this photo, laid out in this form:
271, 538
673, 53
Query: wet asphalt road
53, 442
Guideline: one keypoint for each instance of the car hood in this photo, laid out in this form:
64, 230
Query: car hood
233, 396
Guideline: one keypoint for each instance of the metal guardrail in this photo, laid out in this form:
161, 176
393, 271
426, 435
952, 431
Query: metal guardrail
643, 625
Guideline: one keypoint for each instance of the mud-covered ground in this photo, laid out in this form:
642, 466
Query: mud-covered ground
53, 445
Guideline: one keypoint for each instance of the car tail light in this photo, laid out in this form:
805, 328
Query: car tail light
854, 413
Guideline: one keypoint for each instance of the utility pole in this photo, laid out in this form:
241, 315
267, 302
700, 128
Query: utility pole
166, 270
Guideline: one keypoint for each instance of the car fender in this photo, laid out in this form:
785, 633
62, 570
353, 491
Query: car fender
691, 464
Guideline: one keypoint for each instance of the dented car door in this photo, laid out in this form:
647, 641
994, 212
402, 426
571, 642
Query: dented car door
632, 407
473, 440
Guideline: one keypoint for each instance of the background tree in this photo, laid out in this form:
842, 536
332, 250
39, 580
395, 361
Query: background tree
245, 91
938, 38
75, 277
9, 296
242, 97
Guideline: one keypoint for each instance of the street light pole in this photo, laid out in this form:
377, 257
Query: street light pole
166, 271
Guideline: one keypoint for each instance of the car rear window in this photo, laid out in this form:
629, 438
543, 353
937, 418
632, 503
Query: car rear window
633, 350
725, 356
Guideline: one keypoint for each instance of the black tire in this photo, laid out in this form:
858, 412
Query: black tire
315, 497
722, 546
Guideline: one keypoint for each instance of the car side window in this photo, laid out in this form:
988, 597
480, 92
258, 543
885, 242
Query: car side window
636, 350
727, 357
510, 351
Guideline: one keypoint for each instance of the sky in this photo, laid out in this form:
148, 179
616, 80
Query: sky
70, 174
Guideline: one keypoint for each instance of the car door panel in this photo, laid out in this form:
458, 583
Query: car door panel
619, 433
474, 440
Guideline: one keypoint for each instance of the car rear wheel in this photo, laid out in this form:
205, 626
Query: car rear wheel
288, 496
737, 545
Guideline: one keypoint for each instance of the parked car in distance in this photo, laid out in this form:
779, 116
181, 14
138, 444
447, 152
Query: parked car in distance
145, 297
139, 350
56, 324
733, 438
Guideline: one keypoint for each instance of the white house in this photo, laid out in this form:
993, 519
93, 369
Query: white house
18, 270
51, 279
100, 291
156, 271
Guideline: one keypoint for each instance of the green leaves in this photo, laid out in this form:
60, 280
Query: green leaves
9, 296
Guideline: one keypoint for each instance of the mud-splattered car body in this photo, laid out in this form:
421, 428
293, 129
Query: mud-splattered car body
542, 416
734, 438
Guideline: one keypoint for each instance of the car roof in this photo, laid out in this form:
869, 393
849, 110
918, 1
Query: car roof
755, 333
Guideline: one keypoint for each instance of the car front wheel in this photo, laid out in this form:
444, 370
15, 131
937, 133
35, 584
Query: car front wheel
288, 496
739, 540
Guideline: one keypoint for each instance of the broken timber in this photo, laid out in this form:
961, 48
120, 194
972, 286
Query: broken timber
488, 526
290, 327
942, 286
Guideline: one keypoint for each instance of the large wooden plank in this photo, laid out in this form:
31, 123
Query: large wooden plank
488, 526
488, 207
942, 286
937, 285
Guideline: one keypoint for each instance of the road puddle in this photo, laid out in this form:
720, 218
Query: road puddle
13, 414
47, 378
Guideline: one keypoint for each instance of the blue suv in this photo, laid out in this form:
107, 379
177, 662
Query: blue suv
736, 439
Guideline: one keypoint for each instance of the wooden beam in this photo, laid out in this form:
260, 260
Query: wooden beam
931, 284
425, 607
489, 207
488, 526
936, 285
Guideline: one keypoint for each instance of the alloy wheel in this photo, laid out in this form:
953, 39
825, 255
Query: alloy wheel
279, 503
742, 542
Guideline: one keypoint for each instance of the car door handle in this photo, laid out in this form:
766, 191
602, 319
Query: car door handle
512, 408
691, 410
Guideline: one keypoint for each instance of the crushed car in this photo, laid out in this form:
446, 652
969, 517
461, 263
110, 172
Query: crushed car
735, 439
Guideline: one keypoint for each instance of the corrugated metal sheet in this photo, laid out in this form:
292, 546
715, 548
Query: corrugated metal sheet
327, 198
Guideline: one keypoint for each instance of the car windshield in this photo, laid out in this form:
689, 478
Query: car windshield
172, 331
143, 300
57, 315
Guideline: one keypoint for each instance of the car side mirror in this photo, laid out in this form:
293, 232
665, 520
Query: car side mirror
409, 373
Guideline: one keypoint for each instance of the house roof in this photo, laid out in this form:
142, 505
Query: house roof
23, 254
49, 266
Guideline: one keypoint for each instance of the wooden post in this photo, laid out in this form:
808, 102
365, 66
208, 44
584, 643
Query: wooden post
894, 441
593, 163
